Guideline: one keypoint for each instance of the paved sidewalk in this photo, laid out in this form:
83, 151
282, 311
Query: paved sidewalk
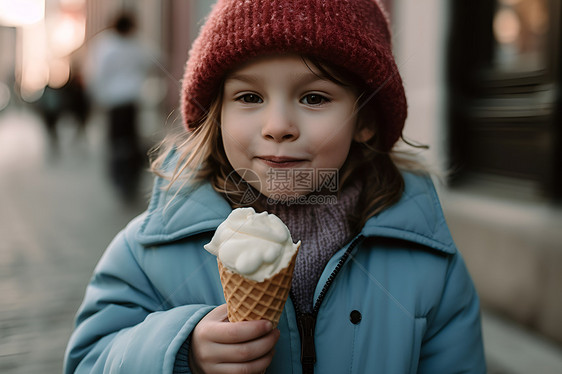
57, 215
510, 349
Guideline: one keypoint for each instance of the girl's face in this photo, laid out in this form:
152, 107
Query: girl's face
287, 124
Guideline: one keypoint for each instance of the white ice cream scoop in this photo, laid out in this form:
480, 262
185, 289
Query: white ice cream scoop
254, 245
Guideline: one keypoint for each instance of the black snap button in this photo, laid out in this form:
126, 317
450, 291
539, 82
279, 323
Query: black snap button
355, 317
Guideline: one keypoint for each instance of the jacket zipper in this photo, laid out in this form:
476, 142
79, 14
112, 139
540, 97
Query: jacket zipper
307, 321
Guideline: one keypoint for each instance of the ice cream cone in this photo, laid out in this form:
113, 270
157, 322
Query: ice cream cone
249, 300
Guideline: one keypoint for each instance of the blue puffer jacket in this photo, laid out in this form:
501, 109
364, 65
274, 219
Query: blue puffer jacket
396, 299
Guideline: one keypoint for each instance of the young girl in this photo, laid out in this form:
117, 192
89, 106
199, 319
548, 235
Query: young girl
291, 106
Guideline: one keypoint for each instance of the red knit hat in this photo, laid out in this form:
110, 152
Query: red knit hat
350, 34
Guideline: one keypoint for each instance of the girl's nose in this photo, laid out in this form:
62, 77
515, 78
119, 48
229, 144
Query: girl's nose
279, 125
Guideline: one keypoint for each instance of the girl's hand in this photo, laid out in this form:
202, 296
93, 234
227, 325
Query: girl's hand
218, 346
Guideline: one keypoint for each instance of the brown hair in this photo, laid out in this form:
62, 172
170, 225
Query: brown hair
201, 155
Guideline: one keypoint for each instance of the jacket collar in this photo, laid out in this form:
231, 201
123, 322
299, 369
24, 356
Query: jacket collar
417, 217
175, 215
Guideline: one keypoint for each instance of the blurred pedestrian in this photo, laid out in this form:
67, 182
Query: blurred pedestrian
116, 66
77, 101
69, 98
50, 107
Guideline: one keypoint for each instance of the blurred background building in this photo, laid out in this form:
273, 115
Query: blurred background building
483, 83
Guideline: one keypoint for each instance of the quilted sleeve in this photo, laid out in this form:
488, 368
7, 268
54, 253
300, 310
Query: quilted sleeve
453, 339
123, 325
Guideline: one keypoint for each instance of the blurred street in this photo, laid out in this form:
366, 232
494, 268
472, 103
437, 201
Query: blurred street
58, 213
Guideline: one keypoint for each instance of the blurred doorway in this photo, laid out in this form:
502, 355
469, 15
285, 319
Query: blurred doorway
504, 101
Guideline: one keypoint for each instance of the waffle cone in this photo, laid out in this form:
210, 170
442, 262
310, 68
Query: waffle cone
248, 300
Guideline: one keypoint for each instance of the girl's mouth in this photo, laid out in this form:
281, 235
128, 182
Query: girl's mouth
281, 162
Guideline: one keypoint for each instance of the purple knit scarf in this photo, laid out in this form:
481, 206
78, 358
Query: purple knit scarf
322, 229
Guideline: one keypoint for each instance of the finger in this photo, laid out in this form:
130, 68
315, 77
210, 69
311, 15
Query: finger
257, 366
239, 332
248, 351
219, 314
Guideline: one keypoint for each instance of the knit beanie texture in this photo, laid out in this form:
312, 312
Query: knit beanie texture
350, 34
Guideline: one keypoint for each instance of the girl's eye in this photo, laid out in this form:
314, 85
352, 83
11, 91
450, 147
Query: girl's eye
315, 99
250, 99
